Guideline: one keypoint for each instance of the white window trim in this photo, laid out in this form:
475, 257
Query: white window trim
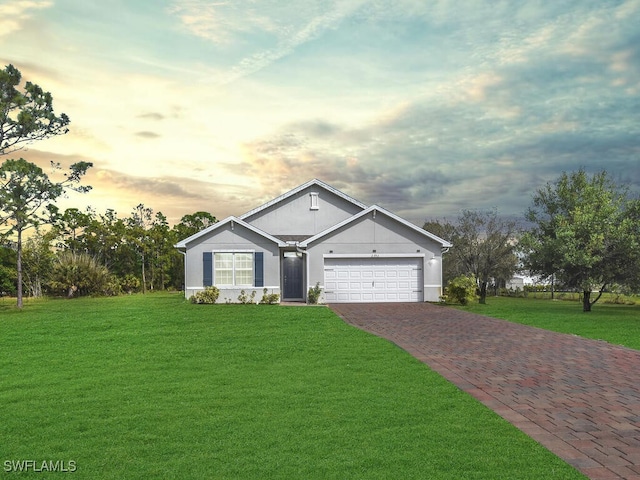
233, 269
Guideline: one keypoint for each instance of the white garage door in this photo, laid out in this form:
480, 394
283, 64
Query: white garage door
351, 280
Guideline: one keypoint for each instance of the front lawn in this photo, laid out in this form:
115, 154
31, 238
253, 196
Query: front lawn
154, 387
617, 324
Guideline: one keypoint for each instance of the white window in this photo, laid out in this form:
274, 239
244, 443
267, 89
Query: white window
231, 268
314, 201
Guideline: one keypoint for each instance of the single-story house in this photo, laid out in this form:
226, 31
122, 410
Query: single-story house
316, 235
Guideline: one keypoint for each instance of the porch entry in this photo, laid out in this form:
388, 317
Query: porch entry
292, 276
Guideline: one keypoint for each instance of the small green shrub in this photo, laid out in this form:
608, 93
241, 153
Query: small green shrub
244, 298
208, 295
313, 295
130, 284
462, 289
269, 298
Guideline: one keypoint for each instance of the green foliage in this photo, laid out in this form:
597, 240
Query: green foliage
130, 283
313, 295
140, 245
194, 223
28, 195
37, 263
7, 280
269, 298
462, 289
25, 116
244, 298
8, 274
585, 233
79, 274
207, 296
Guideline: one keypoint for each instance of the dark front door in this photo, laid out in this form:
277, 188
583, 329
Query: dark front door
292, 277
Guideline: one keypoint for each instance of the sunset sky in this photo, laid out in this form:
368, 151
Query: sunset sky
423, 107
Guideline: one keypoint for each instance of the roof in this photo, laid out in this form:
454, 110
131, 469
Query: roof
228, 220
290, 193
376, 208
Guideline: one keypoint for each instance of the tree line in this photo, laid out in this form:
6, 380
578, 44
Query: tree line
581, 233
90, 253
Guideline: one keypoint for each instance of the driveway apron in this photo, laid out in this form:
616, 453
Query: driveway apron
579, 398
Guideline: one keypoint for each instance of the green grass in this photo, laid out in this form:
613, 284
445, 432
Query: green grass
154, 387
617, 324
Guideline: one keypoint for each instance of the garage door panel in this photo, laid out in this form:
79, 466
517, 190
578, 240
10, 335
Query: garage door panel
373, 280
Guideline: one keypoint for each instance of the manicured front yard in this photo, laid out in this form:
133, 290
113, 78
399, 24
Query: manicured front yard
154, 387
617, 324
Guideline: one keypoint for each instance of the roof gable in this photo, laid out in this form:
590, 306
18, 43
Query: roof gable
376, 209
229, 220
311, 183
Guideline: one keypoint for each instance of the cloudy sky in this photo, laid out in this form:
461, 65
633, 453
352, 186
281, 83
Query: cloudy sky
423, 107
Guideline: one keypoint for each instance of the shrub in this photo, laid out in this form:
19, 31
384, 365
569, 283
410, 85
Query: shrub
462, 289
244, 298
130, 283
269, 298
313, 295
208, 295
76, 274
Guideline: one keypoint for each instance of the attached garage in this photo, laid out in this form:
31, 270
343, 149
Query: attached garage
373, 279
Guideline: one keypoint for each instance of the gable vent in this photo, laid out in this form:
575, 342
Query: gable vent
313, 197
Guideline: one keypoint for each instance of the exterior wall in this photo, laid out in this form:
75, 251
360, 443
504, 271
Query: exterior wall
227, 239
377, 237
294, 215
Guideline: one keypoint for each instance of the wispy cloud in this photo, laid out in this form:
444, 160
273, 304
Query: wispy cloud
14, 13
285, 26
147, 134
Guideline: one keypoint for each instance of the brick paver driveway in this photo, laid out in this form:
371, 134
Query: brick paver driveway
579, 398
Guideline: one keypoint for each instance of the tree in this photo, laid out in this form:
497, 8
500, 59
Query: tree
161, 246
138, 224
585, 232
25, 116
71, 225
37, 262
483, 246
27, 199
193, 223
486, 247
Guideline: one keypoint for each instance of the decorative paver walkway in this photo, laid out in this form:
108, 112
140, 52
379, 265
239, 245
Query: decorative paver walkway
579, 398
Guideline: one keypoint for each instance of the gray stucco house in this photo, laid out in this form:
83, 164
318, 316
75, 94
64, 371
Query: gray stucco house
316, 234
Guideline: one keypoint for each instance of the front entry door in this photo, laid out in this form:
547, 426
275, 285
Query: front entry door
292, 276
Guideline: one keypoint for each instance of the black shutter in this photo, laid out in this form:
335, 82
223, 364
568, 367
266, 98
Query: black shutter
207, 269
258, 270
